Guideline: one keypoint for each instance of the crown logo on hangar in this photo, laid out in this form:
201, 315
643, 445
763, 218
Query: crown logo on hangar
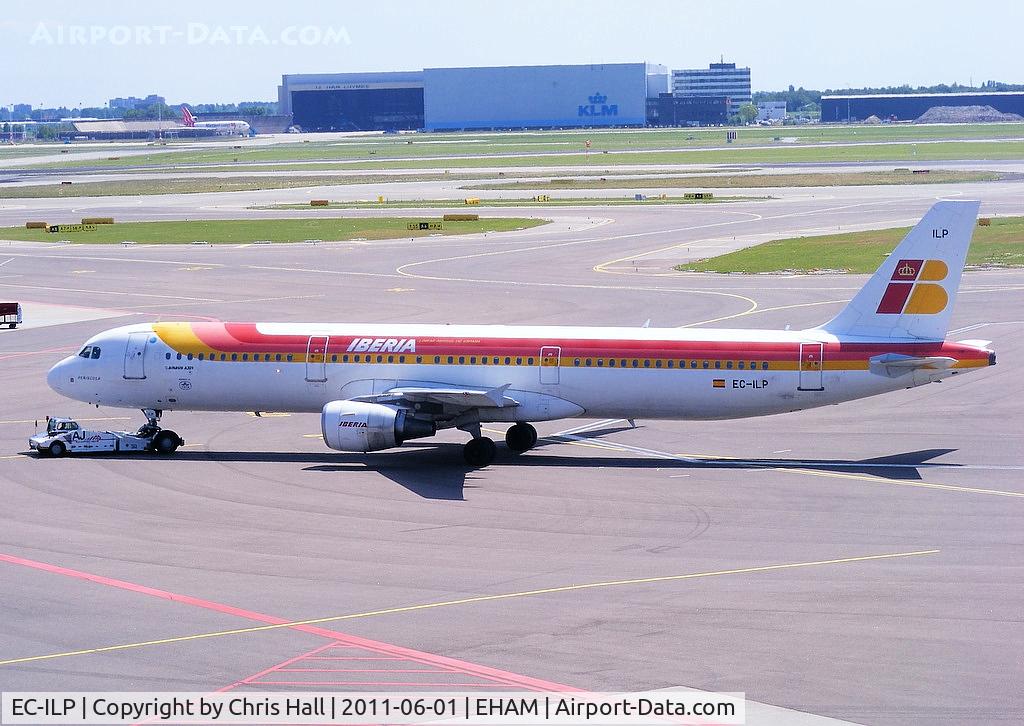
598, 98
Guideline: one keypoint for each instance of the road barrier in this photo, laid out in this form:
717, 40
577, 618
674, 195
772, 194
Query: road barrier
97, 220
461, 218
318, 202
984, 222
36, 225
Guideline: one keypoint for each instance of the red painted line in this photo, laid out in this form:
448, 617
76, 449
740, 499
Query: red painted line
399, 652
367, 683
273, 668
353, 657
360, 670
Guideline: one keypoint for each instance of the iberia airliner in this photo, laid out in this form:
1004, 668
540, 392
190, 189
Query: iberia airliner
377, 386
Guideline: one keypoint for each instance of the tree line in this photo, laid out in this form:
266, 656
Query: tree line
809, 100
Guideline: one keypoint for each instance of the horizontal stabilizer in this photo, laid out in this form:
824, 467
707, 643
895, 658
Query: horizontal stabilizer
896, 364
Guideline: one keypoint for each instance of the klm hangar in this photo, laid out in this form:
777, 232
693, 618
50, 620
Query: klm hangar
450, 99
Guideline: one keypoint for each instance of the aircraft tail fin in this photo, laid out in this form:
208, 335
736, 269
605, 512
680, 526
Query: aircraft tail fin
186, 116
911, 295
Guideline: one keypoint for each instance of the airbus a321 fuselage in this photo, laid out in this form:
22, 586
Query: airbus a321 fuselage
376, 386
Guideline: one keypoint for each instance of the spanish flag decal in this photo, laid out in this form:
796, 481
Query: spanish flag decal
718, 383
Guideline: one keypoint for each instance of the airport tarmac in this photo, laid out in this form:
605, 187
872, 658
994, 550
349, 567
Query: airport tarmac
860, 562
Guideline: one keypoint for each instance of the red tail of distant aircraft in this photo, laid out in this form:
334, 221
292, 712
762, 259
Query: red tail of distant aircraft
227, 127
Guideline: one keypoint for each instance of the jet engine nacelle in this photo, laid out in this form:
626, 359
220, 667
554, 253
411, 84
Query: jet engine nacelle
358, 426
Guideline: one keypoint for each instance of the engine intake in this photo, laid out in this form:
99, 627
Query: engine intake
358, 426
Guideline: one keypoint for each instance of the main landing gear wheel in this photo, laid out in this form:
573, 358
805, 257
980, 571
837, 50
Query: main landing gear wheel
521, 437
166, 442
479, 451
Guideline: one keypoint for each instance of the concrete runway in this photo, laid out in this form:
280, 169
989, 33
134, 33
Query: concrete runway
861, 562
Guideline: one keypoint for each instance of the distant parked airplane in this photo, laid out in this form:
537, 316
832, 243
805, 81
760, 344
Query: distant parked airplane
225, 128
377, 386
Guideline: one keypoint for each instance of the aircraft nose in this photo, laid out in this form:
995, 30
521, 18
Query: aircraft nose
59, 376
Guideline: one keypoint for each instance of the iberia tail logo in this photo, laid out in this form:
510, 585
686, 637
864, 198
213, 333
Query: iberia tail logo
912, 288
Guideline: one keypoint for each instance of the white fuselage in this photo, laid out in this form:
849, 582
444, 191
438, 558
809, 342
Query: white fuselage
551, 372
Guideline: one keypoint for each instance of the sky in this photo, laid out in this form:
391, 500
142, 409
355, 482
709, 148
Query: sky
76, 53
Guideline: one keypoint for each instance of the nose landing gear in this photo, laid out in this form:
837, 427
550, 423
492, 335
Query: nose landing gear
162, 441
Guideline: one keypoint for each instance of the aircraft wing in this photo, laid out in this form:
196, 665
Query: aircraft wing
460, 397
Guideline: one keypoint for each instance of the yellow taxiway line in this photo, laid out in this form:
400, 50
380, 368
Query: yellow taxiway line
468, 601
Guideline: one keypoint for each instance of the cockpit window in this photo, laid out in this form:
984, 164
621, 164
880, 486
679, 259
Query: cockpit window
95, 352
86, 351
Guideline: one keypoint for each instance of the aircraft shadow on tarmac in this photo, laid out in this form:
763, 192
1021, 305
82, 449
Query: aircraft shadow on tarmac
436, 471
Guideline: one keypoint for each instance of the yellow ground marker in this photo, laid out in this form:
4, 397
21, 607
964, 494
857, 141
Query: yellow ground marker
468, 601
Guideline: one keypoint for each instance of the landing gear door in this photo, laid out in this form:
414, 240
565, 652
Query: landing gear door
135, 356
811, 367
550, 357
316, 359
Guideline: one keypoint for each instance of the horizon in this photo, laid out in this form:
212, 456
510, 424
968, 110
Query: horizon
223, 54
